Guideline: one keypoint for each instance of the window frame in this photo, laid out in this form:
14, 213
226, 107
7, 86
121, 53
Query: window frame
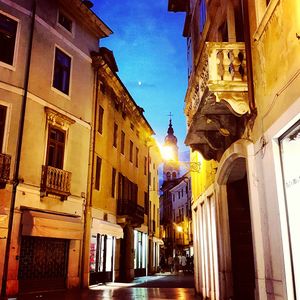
16, 46
68, 96
56, 128
72, 32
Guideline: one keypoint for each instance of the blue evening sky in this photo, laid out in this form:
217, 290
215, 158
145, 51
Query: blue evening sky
150, 52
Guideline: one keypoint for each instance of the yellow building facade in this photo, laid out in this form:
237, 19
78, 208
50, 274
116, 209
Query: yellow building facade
119, 182
46, 114
242, 109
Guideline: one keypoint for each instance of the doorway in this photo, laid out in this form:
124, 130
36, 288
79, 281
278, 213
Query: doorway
242, 258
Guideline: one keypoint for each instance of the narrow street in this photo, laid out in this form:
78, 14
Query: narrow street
160, 286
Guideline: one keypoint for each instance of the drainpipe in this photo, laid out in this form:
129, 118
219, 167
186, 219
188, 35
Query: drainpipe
245, 10
97, 64
18, 155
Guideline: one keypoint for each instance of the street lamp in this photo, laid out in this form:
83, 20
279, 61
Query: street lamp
168, 155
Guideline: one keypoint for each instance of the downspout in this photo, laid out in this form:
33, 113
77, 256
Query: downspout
253, 109
87, 208
18, 155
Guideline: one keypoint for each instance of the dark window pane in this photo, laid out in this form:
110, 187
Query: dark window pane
98, 173
65, 21
122, 142
113, 182
2, 124
100, 119
62, 67
8, 30
131, 151
115, 135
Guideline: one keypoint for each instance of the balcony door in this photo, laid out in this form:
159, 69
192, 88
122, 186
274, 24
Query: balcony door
56, 147
3, 110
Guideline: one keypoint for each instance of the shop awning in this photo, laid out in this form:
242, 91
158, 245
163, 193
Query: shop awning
51, 225
104, 227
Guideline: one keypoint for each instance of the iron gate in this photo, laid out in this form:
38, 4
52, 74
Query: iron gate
43, 263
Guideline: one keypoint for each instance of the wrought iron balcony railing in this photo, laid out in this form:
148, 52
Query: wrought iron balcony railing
131, 210
5, 161
56, 181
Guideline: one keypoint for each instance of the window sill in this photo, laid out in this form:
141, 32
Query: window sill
60, 93
265, 20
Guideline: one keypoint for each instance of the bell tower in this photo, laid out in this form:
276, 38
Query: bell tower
171, 167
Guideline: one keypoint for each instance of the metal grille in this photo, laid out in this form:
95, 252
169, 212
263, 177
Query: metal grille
43, 258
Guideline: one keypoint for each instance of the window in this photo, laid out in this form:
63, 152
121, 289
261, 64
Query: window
62, 70
100, 119
122, 142
8, 33
3, 110
98, 173
146, 203
131, 151
202, 18
137, 157
131, 126
113, 182
56, 147
145, 166
65, 21
154, 183
179, 195
115, 135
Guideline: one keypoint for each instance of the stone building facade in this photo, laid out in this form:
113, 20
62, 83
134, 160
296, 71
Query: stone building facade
46, 97
242, 109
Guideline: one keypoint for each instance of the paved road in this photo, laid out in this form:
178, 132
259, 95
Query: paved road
163, 286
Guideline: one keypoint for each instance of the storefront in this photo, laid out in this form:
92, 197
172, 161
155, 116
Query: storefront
140, 255
290, 150
102, 251
49, 251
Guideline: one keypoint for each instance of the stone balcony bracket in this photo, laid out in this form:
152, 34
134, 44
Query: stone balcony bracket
217, 101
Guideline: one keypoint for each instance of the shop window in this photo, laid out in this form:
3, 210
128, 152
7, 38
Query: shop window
289, 150
8, 33
3, 112
55, 147
62, 71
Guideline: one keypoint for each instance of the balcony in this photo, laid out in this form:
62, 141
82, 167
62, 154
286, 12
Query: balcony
5, 161
217, 99
56, 181
130, 212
